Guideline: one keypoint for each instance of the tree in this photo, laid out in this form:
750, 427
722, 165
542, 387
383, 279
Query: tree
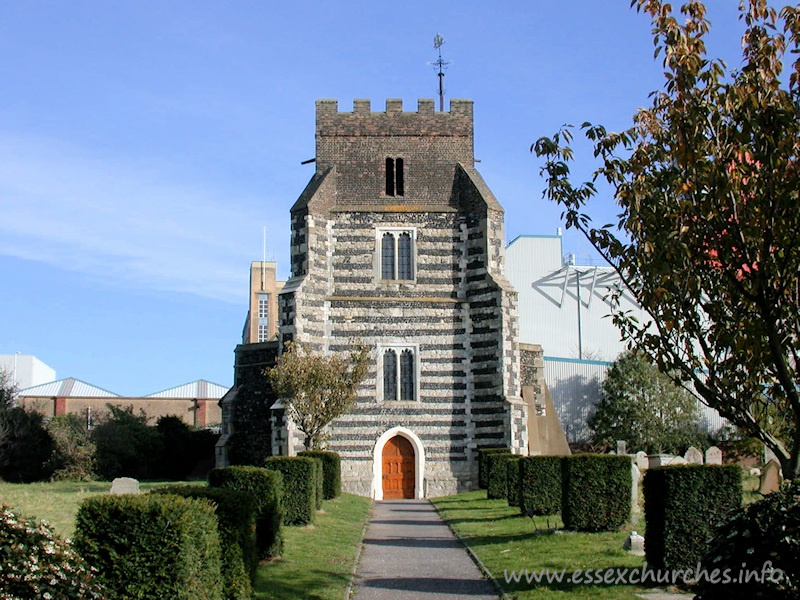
126, 445
707, 182
317, 388
645, 408
8, 390
73, 449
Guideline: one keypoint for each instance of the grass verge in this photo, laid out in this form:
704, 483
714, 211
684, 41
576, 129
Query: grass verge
317, 560
57, 501
506, 541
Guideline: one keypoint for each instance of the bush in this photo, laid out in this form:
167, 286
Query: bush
266, 487
512, 480
766, 531
331, 471
25, 446
483, 453
151, 546
36, 563
182, 447
236, 514
126, 446
682, 504
540, 485
73, 449
299, 487
595, 492
496, 475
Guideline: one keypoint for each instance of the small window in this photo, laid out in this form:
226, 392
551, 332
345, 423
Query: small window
396, 260
263, 306
263, 333
394, 177
398, 369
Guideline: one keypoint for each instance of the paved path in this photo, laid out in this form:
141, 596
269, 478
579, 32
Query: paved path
409, 553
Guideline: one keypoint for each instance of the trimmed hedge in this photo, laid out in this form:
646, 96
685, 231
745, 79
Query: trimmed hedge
512, 480
299, 487
540, 485
682, 505
236, 513
595, 492
767, 531
319, 477
331, 471
483, 453
496, 475
151, 546
266, 487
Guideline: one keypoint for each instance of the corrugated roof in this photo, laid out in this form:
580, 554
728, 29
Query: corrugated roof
68, 388
196, 389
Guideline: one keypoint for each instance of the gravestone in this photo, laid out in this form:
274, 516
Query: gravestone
635, 474
622, 447
770, 478
124, 485
713, 456
634, 544
642, 461
677, 460
659, 460
693, 456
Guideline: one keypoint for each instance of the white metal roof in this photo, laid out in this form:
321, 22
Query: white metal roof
196, 389
66, 388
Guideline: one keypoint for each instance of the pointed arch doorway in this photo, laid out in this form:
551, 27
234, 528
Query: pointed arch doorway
417, 472
398, 469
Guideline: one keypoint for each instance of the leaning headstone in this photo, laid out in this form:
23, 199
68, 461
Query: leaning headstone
622, 447
770, 478
124, 485
713, 456
693, 456
677, 460
634, 544
659, 460
634, 487
642, 461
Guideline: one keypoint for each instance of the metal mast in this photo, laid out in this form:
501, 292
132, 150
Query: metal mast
441, 65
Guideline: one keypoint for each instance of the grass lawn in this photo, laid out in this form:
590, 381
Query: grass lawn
504, 540
317, 561
57, 501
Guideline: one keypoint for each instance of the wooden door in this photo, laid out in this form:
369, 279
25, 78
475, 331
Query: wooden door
398, 469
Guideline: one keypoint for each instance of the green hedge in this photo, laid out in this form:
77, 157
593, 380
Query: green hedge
512, 480
236, 513
331, 471
496, 475
299, 487
483, 453
682, 505
267, 489
595, 492
151, 546
540, 485
319, 477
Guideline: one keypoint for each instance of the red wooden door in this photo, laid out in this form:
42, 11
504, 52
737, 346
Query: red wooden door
398, 469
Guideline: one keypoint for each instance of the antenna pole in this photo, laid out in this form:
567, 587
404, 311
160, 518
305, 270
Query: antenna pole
441, 65
264, 259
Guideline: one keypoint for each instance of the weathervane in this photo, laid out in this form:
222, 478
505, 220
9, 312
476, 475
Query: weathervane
441, 65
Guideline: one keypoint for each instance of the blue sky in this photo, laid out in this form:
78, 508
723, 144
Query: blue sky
144, 146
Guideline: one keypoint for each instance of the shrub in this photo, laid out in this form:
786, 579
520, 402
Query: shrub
496, 475
236, 515
540, 485
595, 492
182, 447
73, 449
267, 489
682, 505
483, 453
25, 446
151, 546
512, 480
299, 487
36, 563
126, 446
331, 471
766, 531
